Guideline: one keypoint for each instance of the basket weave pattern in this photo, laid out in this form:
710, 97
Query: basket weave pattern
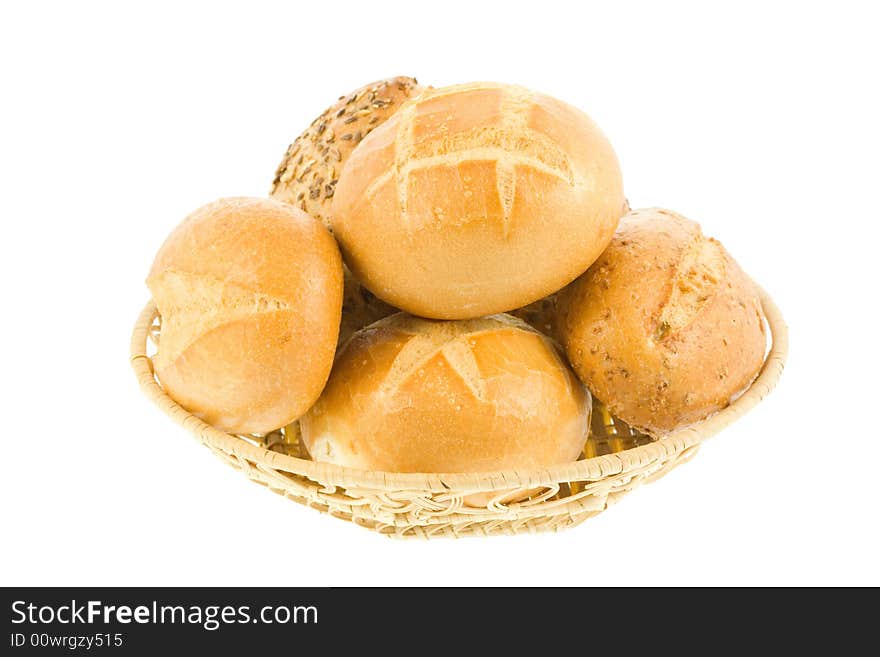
428, 505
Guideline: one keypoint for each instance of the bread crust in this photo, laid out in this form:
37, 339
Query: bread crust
476, 199
665, 327
414, 395
250, 294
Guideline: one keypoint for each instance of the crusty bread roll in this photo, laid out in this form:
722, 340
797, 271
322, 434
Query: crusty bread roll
413, 395
665, 327
250, 292
310, 168
476, 199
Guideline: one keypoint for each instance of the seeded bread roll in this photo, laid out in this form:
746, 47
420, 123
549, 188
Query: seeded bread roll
476, 199
665, 327
308, 174
250, 292
413, 395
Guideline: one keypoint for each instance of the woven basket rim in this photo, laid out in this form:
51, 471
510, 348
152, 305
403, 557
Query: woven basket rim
586, 469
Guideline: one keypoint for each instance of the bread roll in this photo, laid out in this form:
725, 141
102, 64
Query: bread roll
250, 292
414, 395
476, 199
665, 327
308, 173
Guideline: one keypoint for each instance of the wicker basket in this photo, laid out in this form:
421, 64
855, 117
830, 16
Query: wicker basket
429, 505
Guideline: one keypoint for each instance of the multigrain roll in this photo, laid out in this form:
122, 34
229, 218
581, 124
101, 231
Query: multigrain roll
309, 171
665, 327
476, 199
414, 395
250, 292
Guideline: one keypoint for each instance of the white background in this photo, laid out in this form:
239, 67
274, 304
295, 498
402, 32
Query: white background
760, 121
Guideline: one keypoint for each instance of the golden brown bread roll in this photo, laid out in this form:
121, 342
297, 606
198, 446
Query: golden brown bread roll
308, 173
665, 327
476, 199
413, 395
250, 292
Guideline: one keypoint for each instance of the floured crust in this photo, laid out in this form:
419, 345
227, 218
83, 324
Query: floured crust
309, 171
664, 327
250, 294
445, 209
414, 395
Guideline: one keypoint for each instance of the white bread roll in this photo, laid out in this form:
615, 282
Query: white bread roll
413, 395
250, 292
476, 199
665, 328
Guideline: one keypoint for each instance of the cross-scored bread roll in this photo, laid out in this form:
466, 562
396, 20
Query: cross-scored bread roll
476, 199
414, 395
665, 327
250, 292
